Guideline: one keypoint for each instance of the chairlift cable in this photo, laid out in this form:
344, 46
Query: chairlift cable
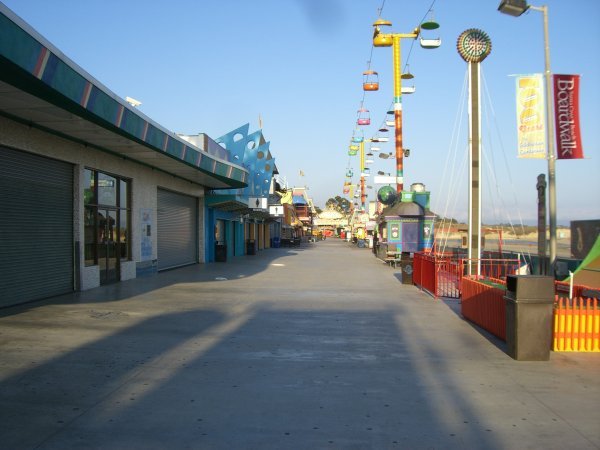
449, 172
507, 167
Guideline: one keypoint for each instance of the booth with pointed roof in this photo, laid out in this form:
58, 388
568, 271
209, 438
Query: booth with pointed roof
406, 226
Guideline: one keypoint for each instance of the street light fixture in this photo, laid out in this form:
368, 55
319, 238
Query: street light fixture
513, 7
516, 8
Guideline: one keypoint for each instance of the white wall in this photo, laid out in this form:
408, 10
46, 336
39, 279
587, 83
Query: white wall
144, 184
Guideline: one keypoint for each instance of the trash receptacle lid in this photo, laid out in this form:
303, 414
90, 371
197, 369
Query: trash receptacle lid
530, 287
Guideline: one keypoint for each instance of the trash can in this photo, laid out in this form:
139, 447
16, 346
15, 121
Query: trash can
250, 248
276, 242
360, 243
220, 252
529, 303
406, 265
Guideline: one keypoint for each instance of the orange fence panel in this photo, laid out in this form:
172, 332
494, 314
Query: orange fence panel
484, 305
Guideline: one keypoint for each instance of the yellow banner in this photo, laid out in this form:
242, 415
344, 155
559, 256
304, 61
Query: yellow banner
531, 125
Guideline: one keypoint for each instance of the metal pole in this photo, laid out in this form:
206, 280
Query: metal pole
362, 176
398, 114
541, 188
550, 143
474, 238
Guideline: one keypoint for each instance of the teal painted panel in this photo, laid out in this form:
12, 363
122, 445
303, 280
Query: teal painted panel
155, 137
191, 155
132, 123
207, 164
175, 148
222, 169
102, 105
17, 45
65, 80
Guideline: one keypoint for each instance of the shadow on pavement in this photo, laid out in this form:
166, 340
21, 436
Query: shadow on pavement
281, 379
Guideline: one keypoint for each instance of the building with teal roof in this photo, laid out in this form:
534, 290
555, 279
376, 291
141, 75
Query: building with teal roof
93, 191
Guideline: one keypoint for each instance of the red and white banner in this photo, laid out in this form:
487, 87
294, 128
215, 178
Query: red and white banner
566, 117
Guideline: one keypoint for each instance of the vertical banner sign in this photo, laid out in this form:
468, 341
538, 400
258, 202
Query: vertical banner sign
531, 128
566, 116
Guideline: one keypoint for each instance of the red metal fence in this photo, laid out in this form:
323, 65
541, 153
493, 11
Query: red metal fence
576, 324
441, 274
484, 305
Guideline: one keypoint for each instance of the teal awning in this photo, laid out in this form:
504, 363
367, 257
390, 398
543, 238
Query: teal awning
42, 88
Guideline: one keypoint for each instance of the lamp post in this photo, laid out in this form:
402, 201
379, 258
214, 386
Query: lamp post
393, 40
516, 8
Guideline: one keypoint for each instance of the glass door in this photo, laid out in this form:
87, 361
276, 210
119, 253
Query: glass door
108, 255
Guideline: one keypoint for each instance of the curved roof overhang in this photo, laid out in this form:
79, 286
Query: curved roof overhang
42, 88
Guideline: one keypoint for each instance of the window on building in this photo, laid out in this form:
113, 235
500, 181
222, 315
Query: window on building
106, 195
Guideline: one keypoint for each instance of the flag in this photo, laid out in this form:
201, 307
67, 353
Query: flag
531, 129
566, 116
259, 122
301, 173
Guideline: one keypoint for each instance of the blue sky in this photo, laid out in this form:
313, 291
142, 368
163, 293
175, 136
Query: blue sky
211, 66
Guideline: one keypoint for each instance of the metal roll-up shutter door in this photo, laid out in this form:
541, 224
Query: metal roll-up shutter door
177, 230
36, 227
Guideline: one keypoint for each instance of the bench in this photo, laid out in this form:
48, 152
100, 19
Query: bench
392, 258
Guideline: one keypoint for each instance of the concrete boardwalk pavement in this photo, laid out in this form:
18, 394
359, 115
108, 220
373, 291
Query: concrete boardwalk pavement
316, 347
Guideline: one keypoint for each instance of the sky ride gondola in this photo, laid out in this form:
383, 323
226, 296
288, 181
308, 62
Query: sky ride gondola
430, 43
358, 136
430, 25
370, 80
407, 75
364, 117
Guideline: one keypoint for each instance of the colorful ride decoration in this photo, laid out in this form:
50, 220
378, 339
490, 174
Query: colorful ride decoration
252, 152
474, 45
387, 195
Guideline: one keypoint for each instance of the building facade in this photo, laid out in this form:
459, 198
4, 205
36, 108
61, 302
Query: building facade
92, 191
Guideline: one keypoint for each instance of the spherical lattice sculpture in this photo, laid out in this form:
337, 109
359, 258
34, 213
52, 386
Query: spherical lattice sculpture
387, 195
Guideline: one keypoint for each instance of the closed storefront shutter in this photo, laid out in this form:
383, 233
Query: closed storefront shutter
177, 230
36, 227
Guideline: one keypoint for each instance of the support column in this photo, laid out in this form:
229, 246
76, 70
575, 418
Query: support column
474, 238
398, 114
